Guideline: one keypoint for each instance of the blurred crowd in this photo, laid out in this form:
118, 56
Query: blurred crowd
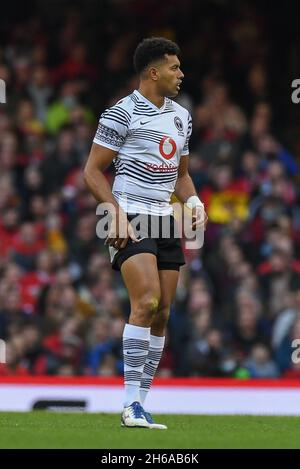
62, 308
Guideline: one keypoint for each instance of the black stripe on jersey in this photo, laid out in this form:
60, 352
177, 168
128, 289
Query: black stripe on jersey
147, 171
145, 137
117, 110
185, 147
139, 103
137, 133
152, 114
143, 109
117, 162
150, 178
169, 101
156, 170
134, 98
145, 134
141, 177
114, 119
115, 115
137, 198
145, 166
146, 113
189, 131
148, 131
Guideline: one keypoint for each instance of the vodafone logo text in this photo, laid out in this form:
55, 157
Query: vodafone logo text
163, 167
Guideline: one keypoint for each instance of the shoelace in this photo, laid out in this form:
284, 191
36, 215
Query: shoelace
137, 410
148, 417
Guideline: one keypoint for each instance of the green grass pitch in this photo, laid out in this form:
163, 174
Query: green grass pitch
82, 430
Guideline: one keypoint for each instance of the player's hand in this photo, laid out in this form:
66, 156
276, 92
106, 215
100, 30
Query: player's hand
199, 218
120, 231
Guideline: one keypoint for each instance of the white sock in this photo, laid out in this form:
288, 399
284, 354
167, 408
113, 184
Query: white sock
136, 341
153, 358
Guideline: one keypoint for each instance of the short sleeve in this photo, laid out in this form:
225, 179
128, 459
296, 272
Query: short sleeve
185, 150
112, 128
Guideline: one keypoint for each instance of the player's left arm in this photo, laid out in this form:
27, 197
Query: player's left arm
186, 193
184, 186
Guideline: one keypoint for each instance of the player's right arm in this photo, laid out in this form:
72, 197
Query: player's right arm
99, 159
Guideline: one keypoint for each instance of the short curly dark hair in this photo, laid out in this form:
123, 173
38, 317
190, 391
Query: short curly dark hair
152, 49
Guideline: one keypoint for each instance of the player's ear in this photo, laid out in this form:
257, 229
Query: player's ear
153, 73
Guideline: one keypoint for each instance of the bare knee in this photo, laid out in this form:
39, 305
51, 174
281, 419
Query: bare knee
160, 321
145, 309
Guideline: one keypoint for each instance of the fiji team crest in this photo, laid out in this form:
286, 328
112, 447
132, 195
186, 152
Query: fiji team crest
178, 123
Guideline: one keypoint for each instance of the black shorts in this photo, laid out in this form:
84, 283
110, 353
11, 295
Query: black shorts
158, 236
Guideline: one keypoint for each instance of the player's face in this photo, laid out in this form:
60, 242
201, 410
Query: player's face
170, 76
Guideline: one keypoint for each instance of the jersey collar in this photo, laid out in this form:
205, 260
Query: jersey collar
142, 98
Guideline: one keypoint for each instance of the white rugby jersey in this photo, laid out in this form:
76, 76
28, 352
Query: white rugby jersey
149, 141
